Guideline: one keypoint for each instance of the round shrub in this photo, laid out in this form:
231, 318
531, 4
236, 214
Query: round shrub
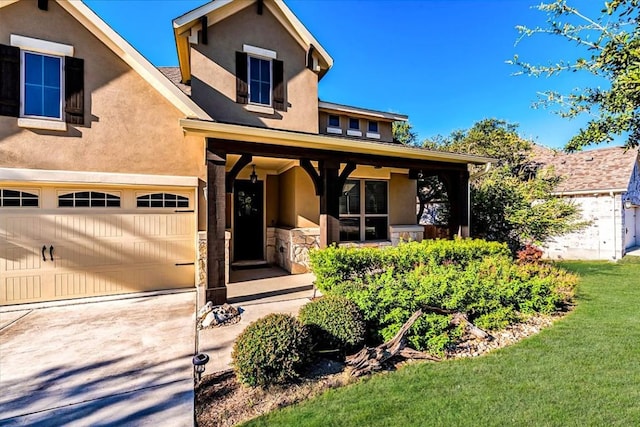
334, 322
271, 350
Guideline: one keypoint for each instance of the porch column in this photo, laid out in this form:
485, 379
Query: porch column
216, 197
457, 183
330, 203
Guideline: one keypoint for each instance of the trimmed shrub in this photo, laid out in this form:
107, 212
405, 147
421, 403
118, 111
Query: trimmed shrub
334, 265
492, 290
334, 322
271, 350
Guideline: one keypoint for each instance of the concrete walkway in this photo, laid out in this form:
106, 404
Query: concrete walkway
110, 363
257, 292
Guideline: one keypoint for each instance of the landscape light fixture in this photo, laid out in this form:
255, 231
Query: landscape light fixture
253, 177
628, 204
199, 361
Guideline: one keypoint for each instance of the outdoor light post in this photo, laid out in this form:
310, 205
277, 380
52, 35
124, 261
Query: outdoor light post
199, 361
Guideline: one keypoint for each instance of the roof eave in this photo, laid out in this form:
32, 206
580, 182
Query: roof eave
316, 141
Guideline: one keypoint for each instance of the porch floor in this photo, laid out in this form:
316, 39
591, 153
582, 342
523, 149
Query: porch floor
267, 284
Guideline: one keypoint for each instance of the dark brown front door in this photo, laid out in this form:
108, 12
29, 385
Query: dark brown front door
248, 230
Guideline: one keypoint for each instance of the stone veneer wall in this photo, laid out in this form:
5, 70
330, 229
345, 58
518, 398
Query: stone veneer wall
201, 269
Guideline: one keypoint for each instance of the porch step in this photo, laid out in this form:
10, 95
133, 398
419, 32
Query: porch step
250, 263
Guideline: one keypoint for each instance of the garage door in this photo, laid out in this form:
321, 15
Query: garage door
61, 243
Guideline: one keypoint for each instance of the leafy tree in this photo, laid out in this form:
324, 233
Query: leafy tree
403, 133
513, 201
607, 46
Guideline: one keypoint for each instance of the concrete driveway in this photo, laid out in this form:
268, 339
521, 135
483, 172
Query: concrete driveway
117, 362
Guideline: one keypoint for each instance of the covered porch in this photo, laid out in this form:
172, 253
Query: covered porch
274, 195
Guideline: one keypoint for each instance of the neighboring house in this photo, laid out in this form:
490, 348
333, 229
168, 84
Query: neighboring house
605, 184
113, 179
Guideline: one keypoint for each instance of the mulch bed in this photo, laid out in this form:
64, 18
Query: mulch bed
221, 401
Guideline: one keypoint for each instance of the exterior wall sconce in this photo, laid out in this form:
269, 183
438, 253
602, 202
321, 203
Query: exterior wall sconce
253, 177
628, 204
199, 361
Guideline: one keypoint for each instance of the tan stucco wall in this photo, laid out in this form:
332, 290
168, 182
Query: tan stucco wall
287, 214
402, 200
307, 203
129, 127
384, 128
272, 199
213, 69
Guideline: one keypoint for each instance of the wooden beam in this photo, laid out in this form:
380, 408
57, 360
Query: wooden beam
216, 291
243, 161
204, 33
313, 174
269, 150
330, 204
43, 4
457, 186
260, 6
348, 169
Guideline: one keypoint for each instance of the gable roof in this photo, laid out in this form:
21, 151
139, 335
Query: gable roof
94, 24
186, 28
595, 171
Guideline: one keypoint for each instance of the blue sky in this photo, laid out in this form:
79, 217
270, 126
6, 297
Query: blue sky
442, 62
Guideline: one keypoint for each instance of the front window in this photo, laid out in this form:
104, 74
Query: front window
259, 81
364, 211
42, 85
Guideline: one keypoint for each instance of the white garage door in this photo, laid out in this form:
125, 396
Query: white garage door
64, 243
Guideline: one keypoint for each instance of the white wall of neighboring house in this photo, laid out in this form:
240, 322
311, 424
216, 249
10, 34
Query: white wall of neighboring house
604, 239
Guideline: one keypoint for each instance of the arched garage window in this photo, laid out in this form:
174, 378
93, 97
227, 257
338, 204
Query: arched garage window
162, 200
17, 199
88, 199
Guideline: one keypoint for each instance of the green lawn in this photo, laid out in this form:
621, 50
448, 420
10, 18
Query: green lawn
585, 370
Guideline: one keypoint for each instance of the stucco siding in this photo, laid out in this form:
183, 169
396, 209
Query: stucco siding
603, 239
287, 213
213, 71
307, 203
402, 200
129, 127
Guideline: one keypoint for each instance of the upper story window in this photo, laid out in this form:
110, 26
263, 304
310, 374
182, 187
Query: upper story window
372, 130
334, 121
88, 199
17, 199
162, 200
260, 80
41, 83
354, 127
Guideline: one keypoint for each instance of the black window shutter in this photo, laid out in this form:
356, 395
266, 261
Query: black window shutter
242, 87
9, 81
74, 90
278, 85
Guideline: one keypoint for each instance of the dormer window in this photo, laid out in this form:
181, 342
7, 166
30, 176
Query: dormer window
333, 124
354, 127
260, 80
372, 130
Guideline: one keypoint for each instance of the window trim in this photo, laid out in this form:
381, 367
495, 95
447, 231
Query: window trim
29, 191
362, 216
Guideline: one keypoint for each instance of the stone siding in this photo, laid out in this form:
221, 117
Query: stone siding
292, 246
406, 233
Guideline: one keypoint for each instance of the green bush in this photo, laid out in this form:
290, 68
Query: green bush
335, 323
334, 265
271, 350
492, 290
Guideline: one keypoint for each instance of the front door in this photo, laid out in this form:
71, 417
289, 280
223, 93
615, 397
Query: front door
247, 226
